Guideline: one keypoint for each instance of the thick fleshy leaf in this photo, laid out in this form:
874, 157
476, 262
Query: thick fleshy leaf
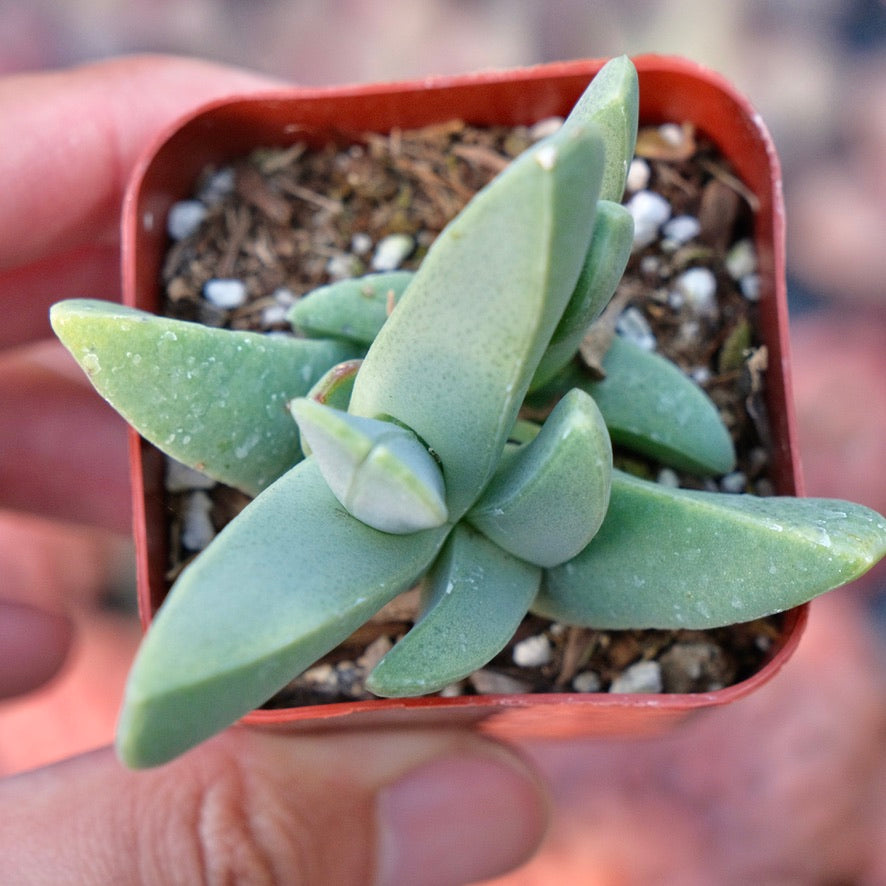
455, 358
278, 588
334, 388
380, 472
603, 267
670, 558
213, 399
653, 408
474, 599
612, 102
548, 499
354, 309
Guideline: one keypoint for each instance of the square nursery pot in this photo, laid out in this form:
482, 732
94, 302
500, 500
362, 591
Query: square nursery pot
671, 90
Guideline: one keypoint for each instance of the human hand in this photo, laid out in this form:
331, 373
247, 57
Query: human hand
250, 806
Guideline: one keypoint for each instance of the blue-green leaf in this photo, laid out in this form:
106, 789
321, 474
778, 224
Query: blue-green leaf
548, 499
280, 586
672, 558
474, 599
213, 399
653, 408
354, 309
603, 267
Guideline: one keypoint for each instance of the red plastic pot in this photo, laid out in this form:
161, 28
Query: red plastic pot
670, 90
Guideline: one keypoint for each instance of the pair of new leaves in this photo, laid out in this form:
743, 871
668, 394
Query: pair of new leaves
494, 308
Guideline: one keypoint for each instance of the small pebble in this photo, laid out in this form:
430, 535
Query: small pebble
638, 175
668, 477
342, 266
701, 375
391, 252
741, 259
750, 287
672, 134
679, 231
651, 265
649, 211
361, 243
273, 315
184, 218
181, 478
533, 652
218, 186
545, 127
487, 682
734, 482
225, 294
197, 528
375, 652
322, 676
284, 296
644, 676
698, 286
694, 667
633, 326
586, 681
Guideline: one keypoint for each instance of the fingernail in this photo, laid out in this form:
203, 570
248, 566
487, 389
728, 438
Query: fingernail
459, 819
33, 646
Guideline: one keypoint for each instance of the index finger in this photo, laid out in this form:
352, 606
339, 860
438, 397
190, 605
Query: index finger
73, 138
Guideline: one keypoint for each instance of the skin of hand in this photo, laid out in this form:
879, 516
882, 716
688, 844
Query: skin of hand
447, 806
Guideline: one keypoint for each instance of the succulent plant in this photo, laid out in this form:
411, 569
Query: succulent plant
419, 469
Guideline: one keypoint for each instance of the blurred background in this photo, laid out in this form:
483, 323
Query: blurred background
816, 70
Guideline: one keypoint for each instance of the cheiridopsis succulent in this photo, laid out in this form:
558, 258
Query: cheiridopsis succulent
418, 467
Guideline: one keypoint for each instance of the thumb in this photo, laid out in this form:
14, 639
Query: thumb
418, 807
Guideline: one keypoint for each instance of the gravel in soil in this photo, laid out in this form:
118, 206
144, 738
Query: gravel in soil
276, 224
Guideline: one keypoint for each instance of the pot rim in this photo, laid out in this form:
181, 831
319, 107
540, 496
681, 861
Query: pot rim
752, 149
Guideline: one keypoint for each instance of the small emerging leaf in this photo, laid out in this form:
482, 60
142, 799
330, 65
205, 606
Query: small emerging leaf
673, 558
278, 588
547, 500
475, 597
353, 309
334, 388
379, 471
213, 399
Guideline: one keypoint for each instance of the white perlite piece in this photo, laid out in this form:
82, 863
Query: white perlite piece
533, 652
741, 259
391, 251
638, 175
734, 482
680, 230
649, 211
586, 681
184, 218
698, 287
750, 287
197, 528
545, 127
644, 676
632, 325
225, 294
218, 186
181, 478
